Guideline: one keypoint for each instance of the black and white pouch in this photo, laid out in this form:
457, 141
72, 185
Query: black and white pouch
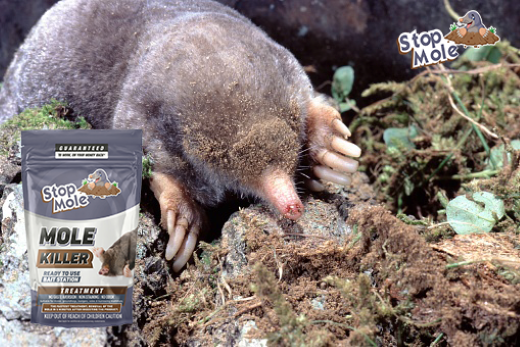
81, 191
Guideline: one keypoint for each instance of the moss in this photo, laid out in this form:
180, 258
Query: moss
55, 115
147, 165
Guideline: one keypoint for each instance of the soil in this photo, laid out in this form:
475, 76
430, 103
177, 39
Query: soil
383, 285
100, 191
472, 39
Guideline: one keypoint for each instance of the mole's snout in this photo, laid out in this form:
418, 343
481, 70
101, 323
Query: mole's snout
89, 176
278, 188
461, 19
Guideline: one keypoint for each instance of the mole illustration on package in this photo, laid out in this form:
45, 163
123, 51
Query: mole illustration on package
98, 184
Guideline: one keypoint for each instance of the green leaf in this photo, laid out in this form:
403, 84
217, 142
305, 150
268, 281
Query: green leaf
453, 26
400, 137
497, 154
466, 216
484, 53
342, 83
344, 106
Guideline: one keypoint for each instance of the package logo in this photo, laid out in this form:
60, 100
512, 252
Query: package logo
69, 197
470, 31
432, 47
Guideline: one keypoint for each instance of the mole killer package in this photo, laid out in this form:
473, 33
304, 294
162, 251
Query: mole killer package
81, 191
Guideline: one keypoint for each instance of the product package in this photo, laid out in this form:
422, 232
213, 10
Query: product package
81, 191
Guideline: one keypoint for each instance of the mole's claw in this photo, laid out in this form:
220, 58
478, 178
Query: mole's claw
187, 248
314, 185
328, 148
175, 238
338, 162
181, 216
328, 174
345, 147
341, 127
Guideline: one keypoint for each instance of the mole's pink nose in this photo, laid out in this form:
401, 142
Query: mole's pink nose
277, 187
89, 176
294, 212
460, 19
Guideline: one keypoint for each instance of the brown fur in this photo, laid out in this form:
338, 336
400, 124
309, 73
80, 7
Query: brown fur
120, 254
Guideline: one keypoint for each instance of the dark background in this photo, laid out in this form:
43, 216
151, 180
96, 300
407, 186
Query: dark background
323, 33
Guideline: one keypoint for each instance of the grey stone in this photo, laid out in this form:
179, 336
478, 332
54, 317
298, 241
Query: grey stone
243, 341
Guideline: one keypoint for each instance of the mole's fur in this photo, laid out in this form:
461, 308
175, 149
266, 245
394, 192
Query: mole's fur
119, 256
221, 105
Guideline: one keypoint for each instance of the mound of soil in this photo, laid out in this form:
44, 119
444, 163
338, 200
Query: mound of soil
472, 39
99, 191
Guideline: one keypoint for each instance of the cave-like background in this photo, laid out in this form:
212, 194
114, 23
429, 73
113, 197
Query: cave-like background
323, 34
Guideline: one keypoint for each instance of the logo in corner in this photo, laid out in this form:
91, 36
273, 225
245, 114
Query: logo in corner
69, 197
432, 47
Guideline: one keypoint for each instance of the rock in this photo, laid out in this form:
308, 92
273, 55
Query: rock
243, 341
15, 299
8, 172
323, 218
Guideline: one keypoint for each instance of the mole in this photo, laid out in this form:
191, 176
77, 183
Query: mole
473, 24
223, 107
99, 178
119, 259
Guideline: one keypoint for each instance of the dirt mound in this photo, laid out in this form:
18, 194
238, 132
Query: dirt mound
472, 39
100, 191
384, 285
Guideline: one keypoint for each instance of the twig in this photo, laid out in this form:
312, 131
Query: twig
462, 263
450, 10
438, 225
481, 174
463, 115
249, 308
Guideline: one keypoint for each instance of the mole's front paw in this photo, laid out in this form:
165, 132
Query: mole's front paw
108, 186
328, 147
91, 185
180, 216
98, 251
462, 32
126, 271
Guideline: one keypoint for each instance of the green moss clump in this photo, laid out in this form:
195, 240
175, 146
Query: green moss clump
51, 116
147, 165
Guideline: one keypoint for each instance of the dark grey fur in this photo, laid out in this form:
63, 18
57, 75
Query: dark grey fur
120, 254
473, 16
218, 100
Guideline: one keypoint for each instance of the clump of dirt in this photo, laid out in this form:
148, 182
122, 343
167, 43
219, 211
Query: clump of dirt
384, 285
472, 39
100, 191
